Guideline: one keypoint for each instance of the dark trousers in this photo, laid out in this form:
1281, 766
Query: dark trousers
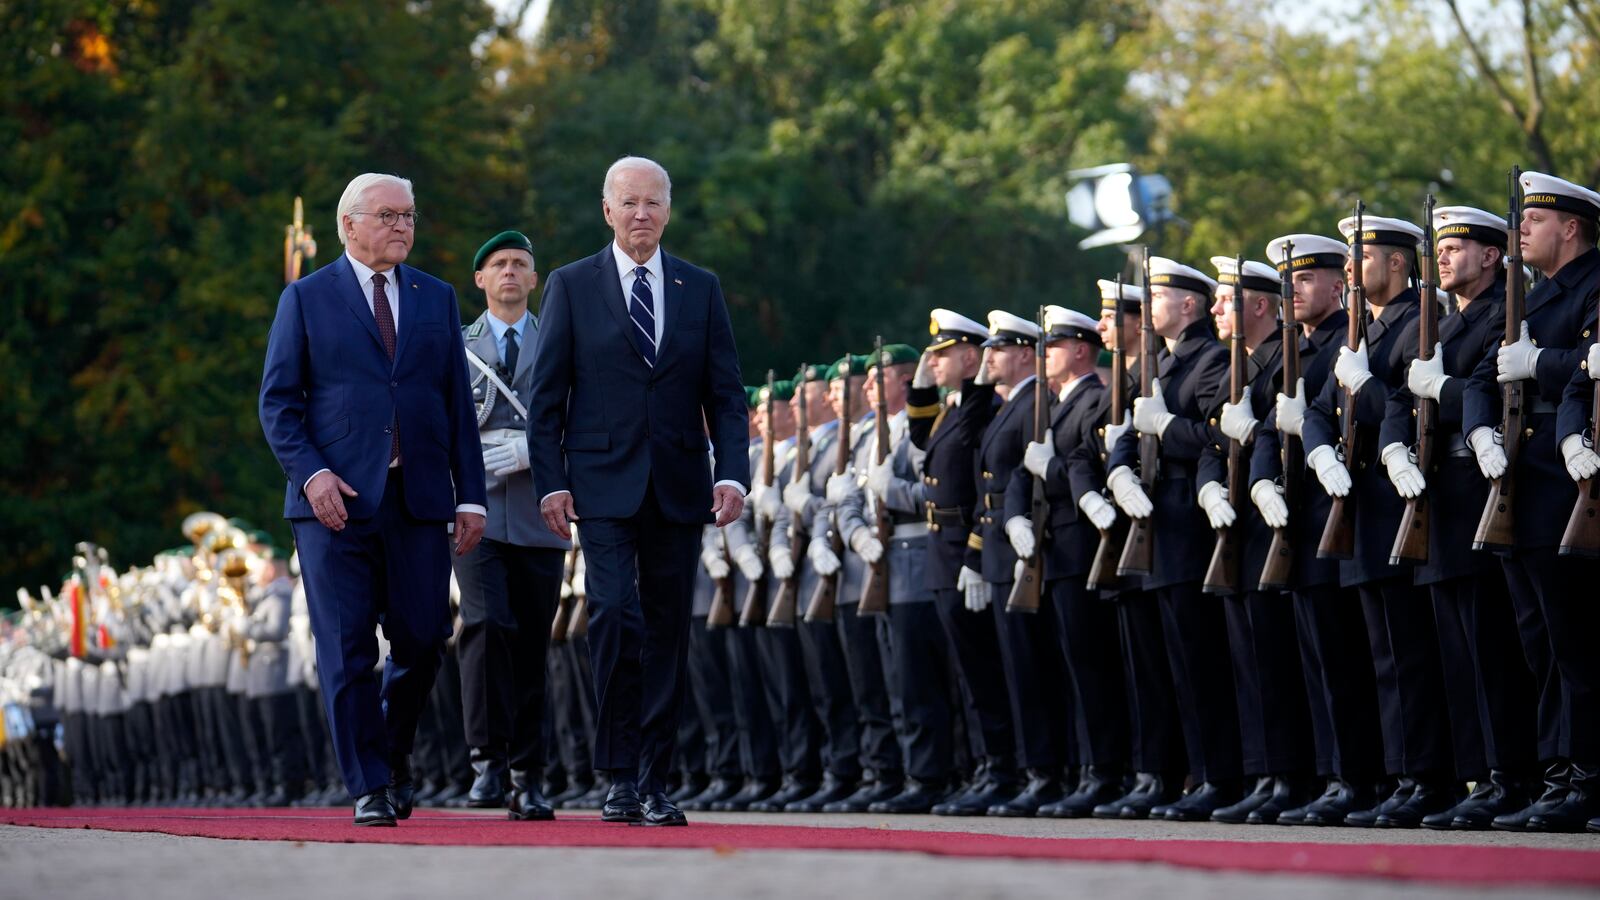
1274, 721
1030, 656
920, 654
828, 679
143, 749
865, 665
977, 657
1340, 683
508, 600
640, 579
789, 701
1157, 737
280, 720
1086, 628
443, 719
1487, 682
1558, 620
1202, 671
228, 737
752, 715
711, 685
572, 708
394, 569
111, 757
1405, 659
252, 734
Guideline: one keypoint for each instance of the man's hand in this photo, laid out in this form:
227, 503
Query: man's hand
1036, 458
1020, 532
1219, 512
924, 374
1150, 413
797, 495
726, 503
1100, 512
1237, 423
1426, 377
749, 562
715, 563
866, 545
558, 511
823, 559
1129, 493
840, 487
1292, 410
1403, 472
326, 492
1268, 498
469, 531
504, 459
1351, 369
1330, 471
1486, 446
1519, 361
983, 376
1581, 461
879, 478
1592, 361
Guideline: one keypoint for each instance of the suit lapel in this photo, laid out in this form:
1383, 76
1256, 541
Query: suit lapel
671, 304
999, 423
1061, 409
350, 292
610, 286
409, 302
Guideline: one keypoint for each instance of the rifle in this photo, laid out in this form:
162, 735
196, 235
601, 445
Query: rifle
721, 614
754, 612
825, 597
1339, 534
1103, 571
1030, 583
580, 616
298, 245
1411, 541
1280, 552
1497, 526
1222, 575
1138, 550
563, 617
875, 587
1582, 537
783, 606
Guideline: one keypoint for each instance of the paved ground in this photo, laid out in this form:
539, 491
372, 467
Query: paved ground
72, 864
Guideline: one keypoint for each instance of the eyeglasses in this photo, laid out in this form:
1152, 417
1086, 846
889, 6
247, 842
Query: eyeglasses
388, 217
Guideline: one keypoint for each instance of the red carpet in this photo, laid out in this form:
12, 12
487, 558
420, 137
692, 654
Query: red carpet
1438, 863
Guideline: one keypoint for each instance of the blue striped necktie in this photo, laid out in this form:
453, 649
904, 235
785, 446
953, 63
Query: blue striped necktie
642, 309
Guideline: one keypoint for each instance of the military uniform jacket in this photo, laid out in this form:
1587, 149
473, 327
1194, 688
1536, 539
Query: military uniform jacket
853, 569
513, 500
906, 551
1264, 378
1457, 490
1193, 378
1070, 539
999, 454
268, 627
824, 448
948, 437
1308, 503
1378, 505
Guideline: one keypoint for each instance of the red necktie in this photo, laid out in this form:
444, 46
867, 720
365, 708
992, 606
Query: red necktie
385, 317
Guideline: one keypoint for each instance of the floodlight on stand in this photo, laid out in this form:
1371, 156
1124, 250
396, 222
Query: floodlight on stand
1116, 204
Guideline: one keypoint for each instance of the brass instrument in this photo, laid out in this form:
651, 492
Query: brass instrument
298, 245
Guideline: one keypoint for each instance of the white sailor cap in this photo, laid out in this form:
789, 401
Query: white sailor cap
1470, 223
1258, 276
1171, 273
1307, 251
1541, 191
1061, 323
950, 328
1383, 231
1007, 330
1132, 296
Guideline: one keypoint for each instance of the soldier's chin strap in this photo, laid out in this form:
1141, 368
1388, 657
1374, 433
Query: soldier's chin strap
499, 385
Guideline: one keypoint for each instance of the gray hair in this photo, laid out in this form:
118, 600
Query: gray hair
636, 163
357, 189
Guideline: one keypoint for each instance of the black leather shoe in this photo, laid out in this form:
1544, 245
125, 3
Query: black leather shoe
833, 790
1502, 794
794, 788
1594, 825
867, 793
916, 798
526, 803
622, 803
659, 811
402, 790
1557, 784
992, 788
1368, 818
1427, 798
1573, 813
1239, 813
755, 790
1041, 789
488, 789
375, 808
1149, 791
1340, 800
1095, 788
692, 785
1205, 799
1288, 792
716, 791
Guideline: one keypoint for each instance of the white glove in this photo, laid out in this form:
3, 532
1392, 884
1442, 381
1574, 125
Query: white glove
767, 501
749, 562
503, 459
866, 545
1334, 476
1292, 410
1150, 414
1101, 514
1491, 455
1020, 531
983, 367
839, 487
880, 477
1115, 432
1268, 498
1128, 493
823, 559
1518, 361
1582, 462
1214, 500
1405, 475
1352, 368
1237, 423
782, 563
797, 495
1426, 377
974, 589
924, 376
715, 563
1593, 361
1036, 459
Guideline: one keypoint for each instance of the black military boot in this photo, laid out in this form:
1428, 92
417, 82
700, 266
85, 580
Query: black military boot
1238, 813
1288, 792
1581, 803
886, 786
1042, 788
1339, 800
691, 786
994, 786
717, 790
1368, 818
1096, 786
1205, 799
794, 788
1149, 791
1557, 784
1430, 796
916, 798
755, 790
833, 790
1498, 794
490, 775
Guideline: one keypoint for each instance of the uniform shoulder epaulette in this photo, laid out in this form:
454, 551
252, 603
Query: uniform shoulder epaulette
474, 331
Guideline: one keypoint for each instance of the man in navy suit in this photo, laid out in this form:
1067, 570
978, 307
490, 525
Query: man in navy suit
365, 402
636, 363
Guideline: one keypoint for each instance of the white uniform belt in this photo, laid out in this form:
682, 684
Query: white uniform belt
910, 530
495, 436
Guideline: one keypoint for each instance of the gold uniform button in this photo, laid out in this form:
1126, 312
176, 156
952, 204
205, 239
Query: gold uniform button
1338, 410
1213, 422
934, 528
1527, 432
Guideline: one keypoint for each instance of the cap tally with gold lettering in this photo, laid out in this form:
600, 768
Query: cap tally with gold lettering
1062, 324
1258, 276
1382, 231
1132, 296
1007, 330
1311, 251
950, 328
1541, 191
1171, 273
1470, 224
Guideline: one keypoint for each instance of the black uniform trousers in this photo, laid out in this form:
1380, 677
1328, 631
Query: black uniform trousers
789, 701
1558, 620
1157, 738
1487, 682
1086, 627
1405, 660
571, 708
1202, 671
977, 656
828, 679
863, 657
1041, 712
758, 743
1274, 721
444, 718
1340, 684
710, 684
920, 656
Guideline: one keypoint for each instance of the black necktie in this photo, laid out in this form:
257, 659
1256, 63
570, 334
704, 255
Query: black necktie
511, 351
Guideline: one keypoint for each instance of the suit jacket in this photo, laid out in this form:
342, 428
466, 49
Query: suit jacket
331, 396
606, 425
1070, 539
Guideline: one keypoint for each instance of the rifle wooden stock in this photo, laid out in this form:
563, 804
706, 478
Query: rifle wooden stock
1138, 549
825, 597
562, 621
1279, 566
1026, 590
875, 586
785, 604
1222, 574
1339, 533
1497, 526
721, 613
1103, 570
1582, 537
580, 617
1411, 540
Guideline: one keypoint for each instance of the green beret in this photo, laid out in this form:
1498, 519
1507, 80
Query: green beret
858, 365
897, 354
261, 537
177, 551
814, 372
752, 397
781, 390
516, 240
241, 524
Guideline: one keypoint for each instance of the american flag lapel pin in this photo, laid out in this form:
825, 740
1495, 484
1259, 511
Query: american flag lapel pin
678, 282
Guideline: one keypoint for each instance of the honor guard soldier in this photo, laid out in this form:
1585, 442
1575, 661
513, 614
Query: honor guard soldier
511, 580
1557, 624
947, 431
1275, 725
1400, 628
1184, 398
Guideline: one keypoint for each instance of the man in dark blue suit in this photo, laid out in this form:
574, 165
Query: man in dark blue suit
365, 402
636, 363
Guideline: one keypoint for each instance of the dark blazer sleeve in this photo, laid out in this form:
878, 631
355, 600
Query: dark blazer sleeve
551, 385
282, 406
723, 397
466, 449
